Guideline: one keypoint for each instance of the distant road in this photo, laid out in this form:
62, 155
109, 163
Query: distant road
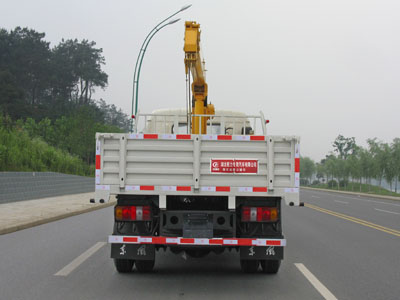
339, 247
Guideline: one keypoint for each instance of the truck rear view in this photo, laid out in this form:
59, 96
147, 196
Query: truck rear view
218, 186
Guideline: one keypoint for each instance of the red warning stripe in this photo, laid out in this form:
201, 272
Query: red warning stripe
150, 136
222, 188
245, 242
98, 162
260, 189
224, 137
257, 138
183, 188
187, 241
183, 136
128, 239
273, 243
159, 240
162, 240
297, 165
216, 242
147, 187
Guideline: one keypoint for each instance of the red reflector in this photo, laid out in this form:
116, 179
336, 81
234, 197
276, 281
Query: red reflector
259, 214
129, 213
133, 213
246, 214
265, 214
146, 213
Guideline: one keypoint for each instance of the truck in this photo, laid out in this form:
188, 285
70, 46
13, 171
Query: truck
197, 181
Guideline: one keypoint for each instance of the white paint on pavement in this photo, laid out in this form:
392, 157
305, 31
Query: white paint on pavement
315, 282
367, 200
341, 202
387, 211
80, 259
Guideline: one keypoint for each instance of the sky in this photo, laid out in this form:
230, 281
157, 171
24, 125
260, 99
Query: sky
315, 68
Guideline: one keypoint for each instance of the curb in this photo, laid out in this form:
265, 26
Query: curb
354, 193
54, 218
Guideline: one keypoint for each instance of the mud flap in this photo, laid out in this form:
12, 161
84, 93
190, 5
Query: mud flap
131, 251
259, 252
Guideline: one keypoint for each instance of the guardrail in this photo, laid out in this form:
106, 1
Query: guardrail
18, 186
170, 123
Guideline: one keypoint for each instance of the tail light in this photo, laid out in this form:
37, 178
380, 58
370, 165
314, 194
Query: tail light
259, 214
132, 213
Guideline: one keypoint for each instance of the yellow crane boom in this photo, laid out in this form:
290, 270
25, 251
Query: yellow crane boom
195, 66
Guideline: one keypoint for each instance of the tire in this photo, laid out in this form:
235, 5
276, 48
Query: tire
249, 266
144, 266
124, 265
270, 266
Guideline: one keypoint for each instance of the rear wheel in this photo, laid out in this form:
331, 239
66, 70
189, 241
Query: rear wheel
270, 266
124, 265
145, 265
249, 266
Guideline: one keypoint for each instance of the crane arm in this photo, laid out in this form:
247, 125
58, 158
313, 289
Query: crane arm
195, 66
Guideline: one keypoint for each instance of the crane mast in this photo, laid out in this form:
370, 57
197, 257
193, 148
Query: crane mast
195, 66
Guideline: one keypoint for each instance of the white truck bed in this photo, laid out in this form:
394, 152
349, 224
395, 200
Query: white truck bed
166, 164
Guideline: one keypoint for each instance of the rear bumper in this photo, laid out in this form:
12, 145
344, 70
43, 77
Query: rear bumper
161, 240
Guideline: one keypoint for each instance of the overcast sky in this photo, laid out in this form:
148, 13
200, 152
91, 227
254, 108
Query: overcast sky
315, 68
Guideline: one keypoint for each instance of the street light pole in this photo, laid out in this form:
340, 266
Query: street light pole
139, 59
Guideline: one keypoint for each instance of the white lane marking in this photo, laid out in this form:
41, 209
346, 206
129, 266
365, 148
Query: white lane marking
380, 202
312, 196
315, 282
367, 200
341, 201
80, 259
387, 211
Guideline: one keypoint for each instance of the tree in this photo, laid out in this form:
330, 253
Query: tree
388, 162
26, 55
396, 159
378, 158
307, 168
354, 166
366, 165
320, 170
11, 96
81, 63
113, 116
344, 146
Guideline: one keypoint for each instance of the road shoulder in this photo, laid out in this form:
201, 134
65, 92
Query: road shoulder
25, 214
353, 193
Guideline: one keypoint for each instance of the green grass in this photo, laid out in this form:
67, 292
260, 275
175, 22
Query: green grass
355, 187
21, 153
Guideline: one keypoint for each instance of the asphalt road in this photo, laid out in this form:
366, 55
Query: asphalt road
350, 245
